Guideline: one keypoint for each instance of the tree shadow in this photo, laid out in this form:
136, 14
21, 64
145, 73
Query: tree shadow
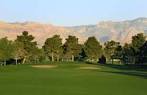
129, 73
128, 67
131, 70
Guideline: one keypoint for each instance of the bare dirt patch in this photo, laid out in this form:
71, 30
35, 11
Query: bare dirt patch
44, 66
89, 68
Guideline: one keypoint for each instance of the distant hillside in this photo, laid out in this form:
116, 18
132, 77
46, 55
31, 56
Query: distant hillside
40, 31
107, 30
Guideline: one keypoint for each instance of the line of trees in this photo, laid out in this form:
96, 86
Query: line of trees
25, 50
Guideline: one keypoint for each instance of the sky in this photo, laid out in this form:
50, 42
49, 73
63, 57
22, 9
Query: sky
71, 12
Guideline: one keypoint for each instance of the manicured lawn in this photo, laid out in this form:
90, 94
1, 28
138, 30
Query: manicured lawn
72, 79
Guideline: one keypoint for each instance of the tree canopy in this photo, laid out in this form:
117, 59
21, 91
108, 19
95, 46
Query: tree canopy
6, 49
71, 48
53, 47
28, 43
92, 48
25, 49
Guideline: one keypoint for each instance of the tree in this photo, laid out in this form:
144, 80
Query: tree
82, 55
118, 52
5, 50
110, 48
128, 54
143, 54
18, 51
72, 48
37, 55
138, 41
53, 47
102, 60
132, 52
93, 49
28, 44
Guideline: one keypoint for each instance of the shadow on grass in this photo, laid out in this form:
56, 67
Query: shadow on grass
129, 73
128, 67
131, 70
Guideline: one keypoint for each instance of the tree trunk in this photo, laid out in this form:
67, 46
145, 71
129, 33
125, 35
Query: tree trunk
58, 58
24, 60
72, 58
112, 61
36, 60
134, 60
52, 57
5, 63
16, 61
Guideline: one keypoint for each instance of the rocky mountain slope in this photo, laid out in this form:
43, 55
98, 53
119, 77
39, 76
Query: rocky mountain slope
119, 31
107, 30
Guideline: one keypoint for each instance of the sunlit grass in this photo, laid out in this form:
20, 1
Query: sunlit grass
69, 79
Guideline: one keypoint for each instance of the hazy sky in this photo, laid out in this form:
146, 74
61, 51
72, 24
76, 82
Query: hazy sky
71, 12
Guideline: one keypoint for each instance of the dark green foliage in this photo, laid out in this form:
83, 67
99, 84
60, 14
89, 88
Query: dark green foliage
38, 56
82, 55
53, 48
143, 54
71, 48
110, 49
102, 60
131, 52
27, 41
138, 41
29, 45
118, 52
128, 54
25, 48
93, 49
18, 51
6, 50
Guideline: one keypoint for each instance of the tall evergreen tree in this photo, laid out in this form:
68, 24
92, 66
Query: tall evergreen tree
138, 41
93, 49
110, 48
143, 54
82, 55
131, 52
6, 50
28, 44
53, 47
18, 51
37, 54
128, 54
118, 52
72, 48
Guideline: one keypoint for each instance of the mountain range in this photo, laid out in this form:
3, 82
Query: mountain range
121, 31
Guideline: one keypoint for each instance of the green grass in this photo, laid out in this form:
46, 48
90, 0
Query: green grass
68, 79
